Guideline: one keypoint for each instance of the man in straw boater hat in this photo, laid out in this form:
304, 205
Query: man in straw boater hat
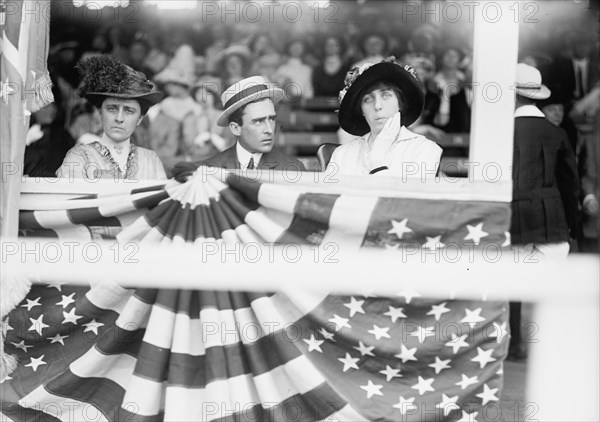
545, 182
123, 96
249, 112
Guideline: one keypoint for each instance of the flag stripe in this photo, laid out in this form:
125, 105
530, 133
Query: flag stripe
62, 407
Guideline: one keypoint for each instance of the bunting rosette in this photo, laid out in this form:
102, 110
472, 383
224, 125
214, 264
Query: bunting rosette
168, 354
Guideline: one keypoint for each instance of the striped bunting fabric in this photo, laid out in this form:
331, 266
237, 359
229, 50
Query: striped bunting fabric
109, 353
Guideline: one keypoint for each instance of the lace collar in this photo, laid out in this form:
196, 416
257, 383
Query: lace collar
131, 158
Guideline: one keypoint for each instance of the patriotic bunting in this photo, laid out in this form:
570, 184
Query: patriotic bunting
117, 354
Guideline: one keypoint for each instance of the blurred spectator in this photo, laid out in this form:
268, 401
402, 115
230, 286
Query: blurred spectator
47, 143
100, 45
84, 123
298, 72
267, 66
138, 52
116, 38
202, 137
260, 44
62, 60
453, 113
220, 38
156, 59
587, 112
425, 72
554, 108
166, 117
233, 65
374, 46
423, 41
328, 77
575, 75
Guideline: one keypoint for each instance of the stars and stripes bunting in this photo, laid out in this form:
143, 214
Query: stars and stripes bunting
170, 354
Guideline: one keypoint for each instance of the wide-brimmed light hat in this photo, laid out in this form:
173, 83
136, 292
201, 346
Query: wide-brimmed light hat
404, 77
529, 83
181, 69
104, 76
246, 91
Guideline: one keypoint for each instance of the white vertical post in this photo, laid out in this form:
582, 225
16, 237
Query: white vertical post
495, 52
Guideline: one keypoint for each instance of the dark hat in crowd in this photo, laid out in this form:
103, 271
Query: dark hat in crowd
388, 71
104, 76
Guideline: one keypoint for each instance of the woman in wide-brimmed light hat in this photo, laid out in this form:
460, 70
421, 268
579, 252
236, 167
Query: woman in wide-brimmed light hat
377, 104
123, 96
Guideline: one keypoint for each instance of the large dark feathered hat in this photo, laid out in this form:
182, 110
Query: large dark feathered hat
359, 78
104, 76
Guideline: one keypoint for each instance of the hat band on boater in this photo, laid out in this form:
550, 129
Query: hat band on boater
520, 86
245, 93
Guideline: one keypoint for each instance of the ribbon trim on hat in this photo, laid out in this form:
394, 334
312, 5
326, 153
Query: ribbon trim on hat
245, 93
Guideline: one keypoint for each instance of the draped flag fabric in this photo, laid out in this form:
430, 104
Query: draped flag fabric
110, 353
25, 87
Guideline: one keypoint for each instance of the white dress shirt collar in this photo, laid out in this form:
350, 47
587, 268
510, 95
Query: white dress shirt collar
244, 156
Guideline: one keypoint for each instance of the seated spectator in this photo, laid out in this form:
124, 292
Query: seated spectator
123, 96
587, 112
298, 72
138, 52
47, 143
260, 44
373, 46
84, 123
233, 65
453, 113
267, 66
220, 38
166, 118
328, 77
202, 137
425, 71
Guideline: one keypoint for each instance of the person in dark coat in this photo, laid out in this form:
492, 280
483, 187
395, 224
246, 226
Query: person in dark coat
47, 143
249, 112
545, 185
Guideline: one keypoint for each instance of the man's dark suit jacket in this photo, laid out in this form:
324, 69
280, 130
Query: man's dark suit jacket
545, 184
274, 160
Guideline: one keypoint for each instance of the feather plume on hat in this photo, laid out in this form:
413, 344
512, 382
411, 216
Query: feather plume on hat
104, 76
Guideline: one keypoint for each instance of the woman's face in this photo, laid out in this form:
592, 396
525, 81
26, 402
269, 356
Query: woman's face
374, 46
332, 47
120, 117
296, 49
234, 66
378, 105
451, 59
554, 113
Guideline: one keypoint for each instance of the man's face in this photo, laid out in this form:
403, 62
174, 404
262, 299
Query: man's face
554, 113
120, 117
256, 134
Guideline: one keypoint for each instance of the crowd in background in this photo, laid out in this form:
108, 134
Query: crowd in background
193, 70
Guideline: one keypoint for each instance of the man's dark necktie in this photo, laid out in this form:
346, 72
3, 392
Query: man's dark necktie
251, 164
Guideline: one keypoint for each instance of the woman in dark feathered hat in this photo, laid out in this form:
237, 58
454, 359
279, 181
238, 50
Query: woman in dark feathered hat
123, 96
377, 104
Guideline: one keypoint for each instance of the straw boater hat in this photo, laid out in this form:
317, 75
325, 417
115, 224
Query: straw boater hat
529, 83
404, 77
246, 91
104, 76
181, 69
